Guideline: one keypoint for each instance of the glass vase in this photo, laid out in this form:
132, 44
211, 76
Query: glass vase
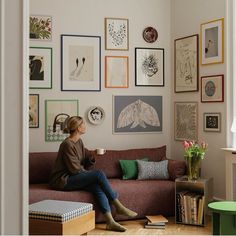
193, 167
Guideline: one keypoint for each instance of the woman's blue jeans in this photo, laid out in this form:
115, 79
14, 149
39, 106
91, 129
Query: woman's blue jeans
94, 181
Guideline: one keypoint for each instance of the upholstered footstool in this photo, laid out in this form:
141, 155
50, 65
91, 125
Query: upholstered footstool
61, 217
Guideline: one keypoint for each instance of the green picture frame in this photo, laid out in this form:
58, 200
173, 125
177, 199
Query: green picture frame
40, 68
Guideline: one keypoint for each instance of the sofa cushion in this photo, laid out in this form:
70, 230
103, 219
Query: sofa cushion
176, 168
109, 162
40, 166
130, 168
153, 170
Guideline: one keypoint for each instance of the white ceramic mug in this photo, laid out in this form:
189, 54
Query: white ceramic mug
100, 151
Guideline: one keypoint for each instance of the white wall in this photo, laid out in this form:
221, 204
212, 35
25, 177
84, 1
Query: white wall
187, 16
86, 17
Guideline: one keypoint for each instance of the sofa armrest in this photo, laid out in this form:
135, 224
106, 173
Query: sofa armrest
176, 168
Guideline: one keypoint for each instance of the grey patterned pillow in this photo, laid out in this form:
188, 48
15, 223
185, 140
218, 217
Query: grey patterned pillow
153, 170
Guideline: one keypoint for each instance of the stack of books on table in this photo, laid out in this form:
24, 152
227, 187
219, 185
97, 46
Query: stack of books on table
155, 222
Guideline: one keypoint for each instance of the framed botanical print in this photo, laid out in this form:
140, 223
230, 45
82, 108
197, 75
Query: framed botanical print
40, 68
149, 66
212, 122
40, 27
212, 88
116, 34
117, 72
137, 114
57, 113
80, 63
212, 42
186, 121
186, 64
34, 111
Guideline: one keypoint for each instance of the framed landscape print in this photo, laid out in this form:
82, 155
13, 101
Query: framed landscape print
116, 34
137, 114
212, 42
40, 27
186, 121
117, 72
80, 63
186, 64
212, 88
149, 66
57, 113
212, 122
40, 68
33, 110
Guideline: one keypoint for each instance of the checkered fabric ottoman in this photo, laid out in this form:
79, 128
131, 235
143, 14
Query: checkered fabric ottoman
61, 217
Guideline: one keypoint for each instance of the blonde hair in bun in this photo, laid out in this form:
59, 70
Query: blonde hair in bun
73, 123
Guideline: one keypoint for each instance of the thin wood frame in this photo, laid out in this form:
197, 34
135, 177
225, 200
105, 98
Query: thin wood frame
116, 72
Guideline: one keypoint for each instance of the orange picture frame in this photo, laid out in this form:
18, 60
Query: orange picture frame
116, 72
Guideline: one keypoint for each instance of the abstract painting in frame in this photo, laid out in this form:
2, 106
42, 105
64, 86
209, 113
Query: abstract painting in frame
212, 122
33, 110
40, 68
40, 27
116, 34
186, 121
186, 64
149, 67
212, 42
57, 113
117, 72
80, 63
212, 88
137, 114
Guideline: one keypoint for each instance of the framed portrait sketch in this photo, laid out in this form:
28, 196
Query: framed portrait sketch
40, 68
186, 121
212, 88
186, 64
116, 34
212, 122
212, 42
40, 28
34, 111
80, 63
116, 72
149, 66
57, 113
137, 114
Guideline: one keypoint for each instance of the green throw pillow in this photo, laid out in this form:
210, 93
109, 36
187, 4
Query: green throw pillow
130, 168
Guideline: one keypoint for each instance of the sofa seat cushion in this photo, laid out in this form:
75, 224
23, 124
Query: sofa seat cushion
109, 162
147, 197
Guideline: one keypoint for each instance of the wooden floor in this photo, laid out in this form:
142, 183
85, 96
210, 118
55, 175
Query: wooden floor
135, 227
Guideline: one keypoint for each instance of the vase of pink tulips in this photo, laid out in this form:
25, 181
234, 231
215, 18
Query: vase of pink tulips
194, 153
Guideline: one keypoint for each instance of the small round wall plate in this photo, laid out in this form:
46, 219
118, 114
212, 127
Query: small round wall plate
96, 115
150, 34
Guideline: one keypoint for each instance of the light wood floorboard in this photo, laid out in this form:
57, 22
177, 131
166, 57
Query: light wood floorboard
136, 227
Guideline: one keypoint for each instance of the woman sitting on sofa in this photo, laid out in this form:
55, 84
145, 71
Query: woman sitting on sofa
69, 173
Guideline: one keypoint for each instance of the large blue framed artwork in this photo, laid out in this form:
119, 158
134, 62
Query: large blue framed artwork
137, 114
80, 63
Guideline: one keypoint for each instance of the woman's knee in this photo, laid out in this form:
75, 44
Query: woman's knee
100, 174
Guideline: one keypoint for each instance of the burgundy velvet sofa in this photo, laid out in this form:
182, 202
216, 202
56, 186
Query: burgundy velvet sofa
146, 197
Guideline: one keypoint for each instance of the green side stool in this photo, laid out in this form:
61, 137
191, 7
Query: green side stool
223, 217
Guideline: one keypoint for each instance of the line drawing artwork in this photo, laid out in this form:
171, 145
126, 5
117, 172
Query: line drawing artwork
81, 63
149, 65
138, 114
186, 63
186, 121
36, 67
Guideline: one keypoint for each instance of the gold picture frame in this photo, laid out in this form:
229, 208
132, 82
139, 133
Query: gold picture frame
212, 42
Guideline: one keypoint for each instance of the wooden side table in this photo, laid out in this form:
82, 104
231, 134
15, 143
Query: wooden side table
223, 217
